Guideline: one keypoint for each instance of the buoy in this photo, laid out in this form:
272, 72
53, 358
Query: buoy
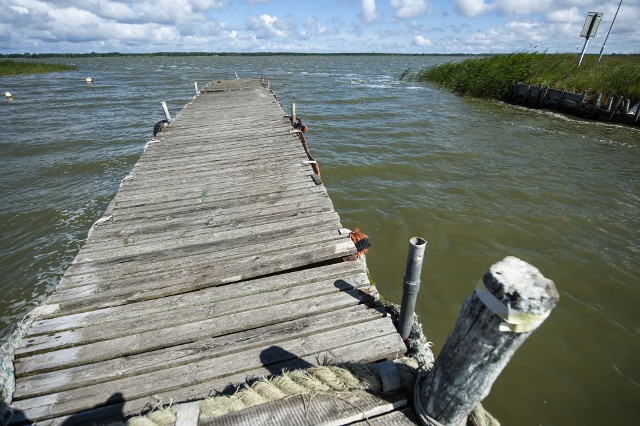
89, 80
9, 96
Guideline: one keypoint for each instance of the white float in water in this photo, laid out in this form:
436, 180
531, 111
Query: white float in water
8, 95
89, 80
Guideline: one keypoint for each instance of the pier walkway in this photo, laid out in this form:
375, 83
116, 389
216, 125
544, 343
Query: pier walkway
220, 259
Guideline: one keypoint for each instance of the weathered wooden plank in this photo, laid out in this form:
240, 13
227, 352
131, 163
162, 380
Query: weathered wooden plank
275, 192
189, 332
34, 382
324, 408
213, 151
253, 165
198, 192
162, 285
329, 343
184, 135
60, 320
177, 241
155, 319
191, 258
205, 261
158, 212
285, 159
217, 178
134, 229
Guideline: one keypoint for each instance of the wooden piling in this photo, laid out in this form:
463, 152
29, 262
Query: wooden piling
580, 102
625, 106
511, 300
615, 107
595, 105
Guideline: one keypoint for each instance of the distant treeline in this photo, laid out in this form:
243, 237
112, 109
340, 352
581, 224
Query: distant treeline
8, 67
117, 54
495, 76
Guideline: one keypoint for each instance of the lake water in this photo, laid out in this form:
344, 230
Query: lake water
479, 180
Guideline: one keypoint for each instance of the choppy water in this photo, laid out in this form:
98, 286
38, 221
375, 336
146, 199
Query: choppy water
479, 180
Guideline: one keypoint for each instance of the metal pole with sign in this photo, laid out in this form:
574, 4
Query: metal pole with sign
589, 30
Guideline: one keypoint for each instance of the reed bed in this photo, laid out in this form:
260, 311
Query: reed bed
494, 76
9, 67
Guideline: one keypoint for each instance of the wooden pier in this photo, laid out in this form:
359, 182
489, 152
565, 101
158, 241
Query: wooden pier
219, 260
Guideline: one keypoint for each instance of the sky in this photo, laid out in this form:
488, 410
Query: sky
306, 26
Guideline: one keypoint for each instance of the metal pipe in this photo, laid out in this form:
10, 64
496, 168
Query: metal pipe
411, 285
586, 42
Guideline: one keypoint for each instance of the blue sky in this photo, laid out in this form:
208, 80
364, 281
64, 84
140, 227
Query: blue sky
390, 26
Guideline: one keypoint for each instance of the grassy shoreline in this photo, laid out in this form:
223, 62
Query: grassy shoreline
8, 67
493, 77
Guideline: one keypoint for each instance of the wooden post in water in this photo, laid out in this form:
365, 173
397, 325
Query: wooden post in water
293, 114
595, 105
508, 304
625, 106
580, 102
614, 108
166, 111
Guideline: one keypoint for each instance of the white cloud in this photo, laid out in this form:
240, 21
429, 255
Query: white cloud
312, 27
472, 8
422, 41
368, 10
409, 8
527, 30
565, 15
267, 26
523, 7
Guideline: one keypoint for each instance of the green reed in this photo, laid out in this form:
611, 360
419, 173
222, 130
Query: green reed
494, 76
8, 67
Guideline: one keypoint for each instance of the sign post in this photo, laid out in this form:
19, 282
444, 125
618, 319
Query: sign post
589, 30
607, 37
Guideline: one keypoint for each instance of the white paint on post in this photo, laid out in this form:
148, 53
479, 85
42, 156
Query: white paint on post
293, 114
195, 84
166, 110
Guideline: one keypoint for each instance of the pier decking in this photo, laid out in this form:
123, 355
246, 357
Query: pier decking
219, 259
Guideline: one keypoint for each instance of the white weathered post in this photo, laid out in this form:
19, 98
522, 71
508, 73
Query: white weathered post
166, 110
195, 83
293, 114
508, 304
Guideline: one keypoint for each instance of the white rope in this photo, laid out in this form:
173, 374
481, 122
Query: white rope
100, 221
149, 143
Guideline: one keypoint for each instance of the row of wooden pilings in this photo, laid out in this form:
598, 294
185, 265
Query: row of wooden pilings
595, 107
509, 302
